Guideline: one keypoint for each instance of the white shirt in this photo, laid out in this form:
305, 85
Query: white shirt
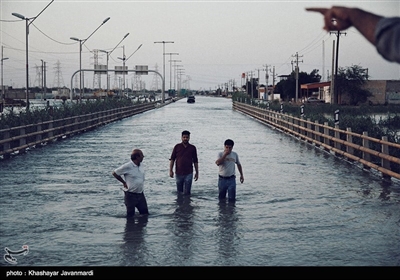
133, 175
227, 168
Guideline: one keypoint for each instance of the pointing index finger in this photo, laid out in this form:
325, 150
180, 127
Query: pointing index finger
319, 10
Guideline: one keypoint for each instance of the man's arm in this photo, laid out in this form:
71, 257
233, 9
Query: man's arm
196, 168
221, 159
119, 178
239, 166
341, 18
171, 168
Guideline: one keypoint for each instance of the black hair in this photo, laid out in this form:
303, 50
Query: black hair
229, 142
185, 132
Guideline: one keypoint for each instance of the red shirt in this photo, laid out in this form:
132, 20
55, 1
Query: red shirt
184, 158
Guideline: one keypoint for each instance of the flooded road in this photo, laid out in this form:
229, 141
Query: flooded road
298, 206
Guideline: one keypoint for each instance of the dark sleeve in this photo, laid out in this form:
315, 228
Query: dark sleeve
195, 159
173, 154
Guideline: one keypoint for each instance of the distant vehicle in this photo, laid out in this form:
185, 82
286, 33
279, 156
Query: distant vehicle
313, 99
191, 99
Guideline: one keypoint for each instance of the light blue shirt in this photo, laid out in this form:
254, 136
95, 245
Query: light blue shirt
387, 37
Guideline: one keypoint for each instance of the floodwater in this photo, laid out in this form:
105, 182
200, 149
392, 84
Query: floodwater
298, 205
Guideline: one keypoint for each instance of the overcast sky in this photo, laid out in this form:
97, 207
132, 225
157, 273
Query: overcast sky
214, 41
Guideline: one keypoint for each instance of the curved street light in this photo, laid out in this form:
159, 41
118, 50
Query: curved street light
81, 42
124, 59
28, 21
108, 56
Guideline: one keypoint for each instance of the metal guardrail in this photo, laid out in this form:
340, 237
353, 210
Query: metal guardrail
18, 139
369, 152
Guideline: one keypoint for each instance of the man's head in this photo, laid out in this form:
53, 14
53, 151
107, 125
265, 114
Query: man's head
228, 145
185, 136
185, 132
229, 142
137, 156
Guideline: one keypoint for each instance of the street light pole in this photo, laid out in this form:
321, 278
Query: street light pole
175, 61
108, 55
124, 59
81, 42
170, 68
2, 85
176, 85
163, 87
28, 21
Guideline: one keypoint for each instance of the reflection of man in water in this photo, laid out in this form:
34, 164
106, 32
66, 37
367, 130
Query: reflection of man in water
183, 244
135, 251
228, 244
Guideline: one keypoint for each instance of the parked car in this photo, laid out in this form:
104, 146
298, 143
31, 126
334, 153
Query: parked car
313, 99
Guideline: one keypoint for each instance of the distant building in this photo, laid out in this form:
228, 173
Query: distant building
383, 92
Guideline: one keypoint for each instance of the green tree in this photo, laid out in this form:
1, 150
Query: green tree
350, 81
287, 87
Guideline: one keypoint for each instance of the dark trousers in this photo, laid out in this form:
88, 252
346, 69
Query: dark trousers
135, 200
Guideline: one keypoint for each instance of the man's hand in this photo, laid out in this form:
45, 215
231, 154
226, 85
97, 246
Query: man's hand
335, 18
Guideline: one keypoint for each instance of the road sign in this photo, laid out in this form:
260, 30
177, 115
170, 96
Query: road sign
142, 70
120, 70
100, 69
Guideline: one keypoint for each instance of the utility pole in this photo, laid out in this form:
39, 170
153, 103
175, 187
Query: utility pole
170, 68
336, 95
273, 77
297, 76
163, 85
251, 83
266, 75
332, 76
266, 80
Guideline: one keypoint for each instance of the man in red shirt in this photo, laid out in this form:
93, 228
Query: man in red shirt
184, 156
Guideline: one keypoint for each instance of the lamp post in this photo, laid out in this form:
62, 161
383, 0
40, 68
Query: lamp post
176, 85
81, 42
28, 21
163, 42
175, 61
124, 59
108, 56
2, 86
170, 68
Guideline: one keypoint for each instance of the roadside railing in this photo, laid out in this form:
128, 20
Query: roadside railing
370, 153
18, 139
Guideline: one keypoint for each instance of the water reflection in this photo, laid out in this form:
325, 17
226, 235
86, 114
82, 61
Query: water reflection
385, 194
135, 247
183, 220
227, 232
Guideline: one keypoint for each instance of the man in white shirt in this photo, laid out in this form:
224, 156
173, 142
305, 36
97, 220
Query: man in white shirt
133, 182
226, 176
